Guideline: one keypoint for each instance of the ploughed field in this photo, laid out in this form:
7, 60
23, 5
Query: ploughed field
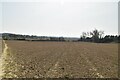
63, 59
0, 47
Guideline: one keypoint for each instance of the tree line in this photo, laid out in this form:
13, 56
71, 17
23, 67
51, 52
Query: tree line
92, 36
9, 36
98, 37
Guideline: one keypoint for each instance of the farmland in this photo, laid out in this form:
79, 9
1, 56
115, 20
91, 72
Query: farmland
0, 47
61, 59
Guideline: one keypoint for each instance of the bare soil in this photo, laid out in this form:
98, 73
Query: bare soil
64, 59
0, 46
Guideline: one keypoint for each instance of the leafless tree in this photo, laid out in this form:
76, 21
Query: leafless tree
96, 35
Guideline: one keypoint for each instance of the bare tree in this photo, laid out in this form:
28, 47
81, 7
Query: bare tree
96, 35
101, 33
84, 35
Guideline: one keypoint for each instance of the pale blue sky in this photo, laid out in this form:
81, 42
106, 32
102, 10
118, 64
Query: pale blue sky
59, 18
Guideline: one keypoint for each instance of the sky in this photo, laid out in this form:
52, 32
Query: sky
68, 18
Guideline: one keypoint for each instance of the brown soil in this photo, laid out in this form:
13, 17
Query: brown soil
64, 59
